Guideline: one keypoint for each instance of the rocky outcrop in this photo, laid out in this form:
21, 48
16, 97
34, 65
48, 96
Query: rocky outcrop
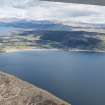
14, 91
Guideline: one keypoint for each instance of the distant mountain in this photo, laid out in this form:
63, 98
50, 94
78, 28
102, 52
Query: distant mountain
36, 25
51, 25
75, 39
60, 34
70, 39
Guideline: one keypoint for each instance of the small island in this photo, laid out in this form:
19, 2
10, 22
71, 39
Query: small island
14, 91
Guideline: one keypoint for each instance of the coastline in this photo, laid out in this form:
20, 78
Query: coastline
13, 50
22, 90
79, 50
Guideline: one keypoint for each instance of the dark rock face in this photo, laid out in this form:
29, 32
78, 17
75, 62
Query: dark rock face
14, 91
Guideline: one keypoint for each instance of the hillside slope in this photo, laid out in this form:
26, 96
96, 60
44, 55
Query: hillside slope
14, 91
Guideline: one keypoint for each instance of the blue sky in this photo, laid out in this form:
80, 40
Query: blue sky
44, 10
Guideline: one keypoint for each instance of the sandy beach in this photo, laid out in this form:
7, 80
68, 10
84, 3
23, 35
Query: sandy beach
13, 50
28, 49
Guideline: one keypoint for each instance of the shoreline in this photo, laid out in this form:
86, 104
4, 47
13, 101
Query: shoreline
13, 50
24, 90
79, 50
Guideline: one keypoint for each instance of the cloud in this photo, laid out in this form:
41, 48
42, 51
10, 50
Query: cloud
18, 3
44, 10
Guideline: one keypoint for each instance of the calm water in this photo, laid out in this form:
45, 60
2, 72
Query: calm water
77, 77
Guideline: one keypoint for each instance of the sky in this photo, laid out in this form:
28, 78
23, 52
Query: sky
45, 10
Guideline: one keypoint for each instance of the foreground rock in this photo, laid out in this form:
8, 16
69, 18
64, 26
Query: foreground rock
14, 91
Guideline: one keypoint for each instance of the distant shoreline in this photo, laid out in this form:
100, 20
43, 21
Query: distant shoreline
79, 50
13, 50
28, 49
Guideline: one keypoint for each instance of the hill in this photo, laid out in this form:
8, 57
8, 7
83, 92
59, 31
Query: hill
52, 34
14, 91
